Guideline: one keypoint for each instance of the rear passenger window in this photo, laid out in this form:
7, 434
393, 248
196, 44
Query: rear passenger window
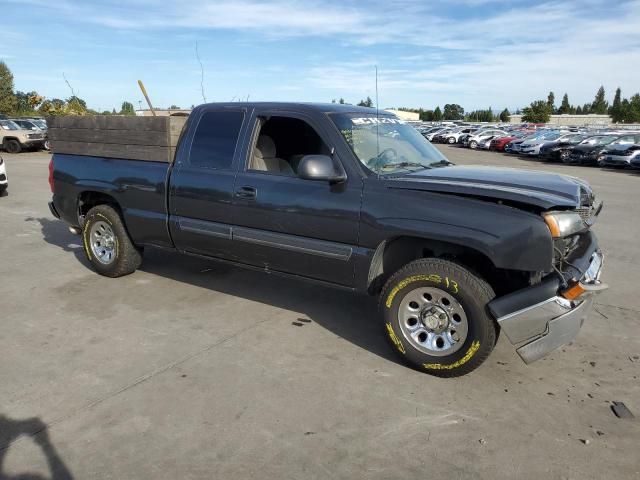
215, 140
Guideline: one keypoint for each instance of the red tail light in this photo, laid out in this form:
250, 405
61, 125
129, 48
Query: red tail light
51, 174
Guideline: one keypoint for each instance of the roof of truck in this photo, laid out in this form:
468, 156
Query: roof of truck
303, 106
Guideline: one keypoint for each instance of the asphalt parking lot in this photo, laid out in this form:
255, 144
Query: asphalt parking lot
188, 369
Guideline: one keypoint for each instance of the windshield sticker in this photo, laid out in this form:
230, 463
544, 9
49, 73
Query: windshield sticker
374, 120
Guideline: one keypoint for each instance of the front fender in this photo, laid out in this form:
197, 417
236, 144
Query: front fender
511, 238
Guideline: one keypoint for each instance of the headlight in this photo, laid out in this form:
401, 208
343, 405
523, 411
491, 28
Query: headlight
563, 224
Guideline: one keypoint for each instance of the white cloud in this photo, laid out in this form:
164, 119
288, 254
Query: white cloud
505, 53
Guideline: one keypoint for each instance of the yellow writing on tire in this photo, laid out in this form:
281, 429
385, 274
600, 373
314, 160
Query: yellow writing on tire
467, 356
394, 338
446, 281
86, 233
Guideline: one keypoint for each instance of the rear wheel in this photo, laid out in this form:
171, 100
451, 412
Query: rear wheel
451, 140
435, 317
12, 146
107, 244
473, 144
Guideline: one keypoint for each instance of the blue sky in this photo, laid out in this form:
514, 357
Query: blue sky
478, 53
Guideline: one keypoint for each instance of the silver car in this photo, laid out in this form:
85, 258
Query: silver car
620, 157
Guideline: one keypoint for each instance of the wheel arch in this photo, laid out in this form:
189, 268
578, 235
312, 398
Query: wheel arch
87, 199
393, 253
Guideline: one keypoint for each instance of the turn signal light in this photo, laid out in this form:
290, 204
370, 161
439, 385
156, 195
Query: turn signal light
573, 292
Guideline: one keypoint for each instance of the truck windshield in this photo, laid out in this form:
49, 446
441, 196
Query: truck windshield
387, 145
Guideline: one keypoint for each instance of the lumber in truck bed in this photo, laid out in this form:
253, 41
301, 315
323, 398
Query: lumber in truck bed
126, 137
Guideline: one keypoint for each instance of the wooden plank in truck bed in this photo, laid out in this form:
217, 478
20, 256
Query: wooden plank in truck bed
113, 150
110, 122
121, 137
131, 138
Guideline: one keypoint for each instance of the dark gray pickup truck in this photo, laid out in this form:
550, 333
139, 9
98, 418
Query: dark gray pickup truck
357, 199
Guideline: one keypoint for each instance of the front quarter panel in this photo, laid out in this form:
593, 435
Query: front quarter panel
512, 239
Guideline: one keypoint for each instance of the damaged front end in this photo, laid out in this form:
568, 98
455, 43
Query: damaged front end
542, 317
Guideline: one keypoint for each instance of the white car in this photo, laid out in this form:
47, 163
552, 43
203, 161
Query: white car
486, 143
454, 136
4, 182
532, 145
429, 136
474, 140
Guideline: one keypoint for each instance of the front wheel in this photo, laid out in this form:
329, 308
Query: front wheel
451, 140
473, 144
435, 317
107, 244
12, 146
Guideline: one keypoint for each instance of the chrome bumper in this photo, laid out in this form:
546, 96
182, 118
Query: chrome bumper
556, 321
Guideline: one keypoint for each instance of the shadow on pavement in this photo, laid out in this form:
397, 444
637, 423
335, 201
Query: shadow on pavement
350, 316
56, 232
11, 430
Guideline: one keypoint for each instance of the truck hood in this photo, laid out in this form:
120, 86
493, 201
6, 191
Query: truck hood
540, 189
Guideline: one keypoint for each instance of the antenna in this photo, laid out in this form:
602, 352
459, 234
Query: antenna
377, 116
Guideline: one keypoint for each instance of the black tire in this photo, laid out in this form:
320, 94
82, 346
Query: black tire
451, 140
470, 291
473, 144
127, 257
12, 146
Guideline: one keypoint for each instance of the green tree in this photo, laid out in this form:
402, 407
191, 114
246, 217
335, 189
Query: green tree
600, 104
366, 103
127, 109
437, 114
565, 107
341, 101
551, 101
587, 109
106, 112
453, 111
632, 114
538, 112
481, 116
505, 115
173, 107
617, 115
427, 116
26, 103
7, 97
579, 110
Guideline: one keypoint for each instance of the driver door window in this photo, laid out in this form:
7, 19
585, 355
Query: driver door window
281, 143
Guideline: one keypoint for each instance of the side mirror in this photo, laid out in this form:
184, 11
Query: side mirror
320, 167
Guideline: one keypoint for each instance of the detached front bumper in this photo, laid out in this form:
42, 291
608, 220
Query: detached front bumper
543, 317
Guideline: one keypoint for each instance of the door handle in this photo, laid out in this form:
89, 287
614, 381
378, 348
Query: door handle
246, 192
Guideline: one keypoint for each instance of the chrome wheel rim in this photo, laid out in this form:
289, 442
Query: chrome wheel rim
433, 321
103, 242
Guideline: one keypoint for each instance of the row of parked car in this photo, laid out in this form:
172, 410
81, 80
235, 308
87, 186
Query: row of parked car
603, 147
18, 134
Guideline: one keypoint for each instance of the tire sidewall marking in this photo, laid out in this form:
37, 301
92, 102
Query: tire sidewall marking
445, 283
394, 339
475, 346
87, 234
450, 284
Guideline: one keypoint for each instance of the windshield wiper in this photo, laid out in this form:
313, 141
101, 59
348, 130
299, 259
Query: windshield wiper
441, 163
403, 165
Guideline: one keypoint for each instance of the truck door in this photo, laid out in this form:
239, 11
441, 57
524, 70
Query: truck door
201, 184
286, 223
